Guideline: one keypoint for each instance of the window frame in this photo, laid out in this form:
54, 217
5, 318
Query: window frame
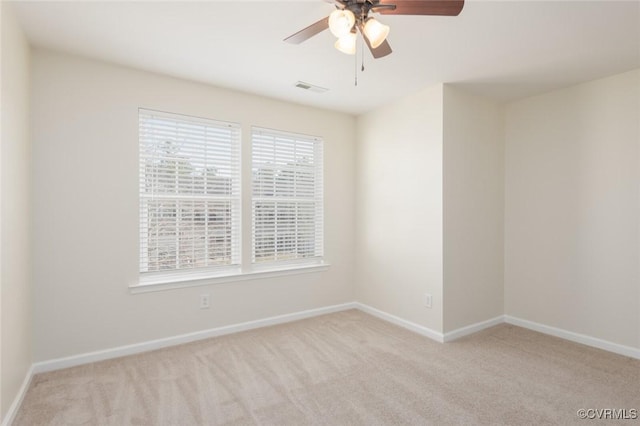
318, 170
246, 269
234, 200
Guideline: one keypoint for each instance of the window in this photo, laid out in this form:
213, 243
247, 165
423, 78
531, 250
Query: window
287, 199
191, 225
189, 194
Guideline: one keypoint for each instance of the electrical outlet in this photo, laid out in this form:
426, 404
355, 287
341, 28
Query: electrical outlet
427, 300
205, 301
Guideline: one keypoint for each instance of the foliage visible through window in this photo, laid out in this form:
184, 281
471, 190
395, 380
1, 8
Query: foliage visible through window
287, 205
189, 192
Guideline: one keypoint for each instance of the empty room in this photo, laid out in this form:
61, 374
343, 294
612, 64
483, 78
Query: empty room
328, 212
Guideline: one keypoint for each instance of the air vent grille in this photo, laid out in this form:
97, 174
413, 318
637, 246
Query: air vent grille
310, 87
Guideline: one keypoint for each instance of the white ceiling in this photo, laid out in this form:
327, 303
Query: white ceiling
503, 49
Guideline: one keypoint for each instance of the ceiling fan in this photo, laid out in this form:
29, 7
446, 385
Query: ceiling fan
352, 16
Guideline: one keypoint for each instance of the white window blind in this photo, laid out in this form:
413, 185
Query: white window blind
189, 193
287, 201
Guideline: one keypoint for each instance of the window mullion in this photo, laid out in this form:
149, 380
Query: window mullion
246, 210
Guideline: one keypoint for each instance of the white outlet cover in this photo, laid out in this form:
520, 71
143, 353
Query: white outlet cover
427, 300
205, 301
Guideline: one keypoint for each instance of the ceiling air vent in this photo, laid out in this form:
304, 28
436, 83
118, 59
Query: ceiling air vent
310, 87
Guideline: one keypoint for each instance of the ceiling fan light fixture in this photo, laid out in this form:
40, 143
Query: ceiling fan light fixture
375, 32
347, 43
341, 21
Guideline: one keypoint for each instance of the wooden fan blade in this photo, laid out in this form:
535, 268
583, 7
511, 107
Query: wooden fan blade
381, 51
308, 32
423, 7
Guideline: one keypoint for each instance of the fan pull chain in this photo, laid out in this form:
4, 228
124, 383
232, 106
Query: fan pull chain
355, 68
356, 60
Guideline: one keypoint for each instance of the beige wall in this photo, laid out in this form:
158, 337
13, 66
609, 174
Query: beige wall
85, 150
399, 208
15, 211
473, 209
572, 202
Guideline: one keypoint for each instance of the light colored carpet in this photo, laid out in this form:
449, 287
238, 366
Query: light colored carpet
346, 368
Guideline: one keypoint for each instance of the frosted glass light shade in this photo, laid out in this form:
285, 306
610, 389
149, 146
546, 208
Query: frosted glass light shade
341, 22
347, 44
375, 32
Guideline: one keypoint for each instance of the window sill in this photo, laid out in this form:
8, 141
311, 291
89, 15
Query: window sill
175, 282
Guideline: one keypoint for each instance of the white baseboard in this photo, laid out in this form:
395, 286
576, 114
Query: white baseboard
17, 402
575, 337
72, 361
425, 331
473, 328
89, 357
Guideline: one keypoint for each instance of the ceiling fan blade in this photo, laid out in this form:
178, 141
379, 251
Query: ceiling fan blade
422, 7
308, 32
381, 51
